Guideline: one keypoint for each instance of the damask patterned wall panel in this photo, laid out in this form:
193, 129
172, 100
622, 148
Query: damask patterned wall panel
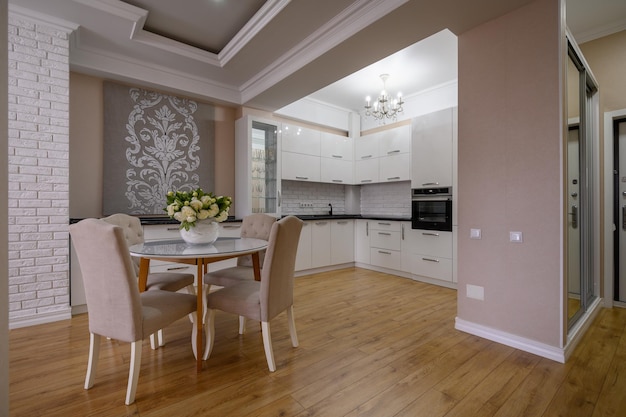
153, 143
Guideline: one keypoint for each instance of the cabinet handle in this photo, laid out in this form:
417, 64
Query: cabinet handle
337, 180
394, 151
430, 183
366, 156
430, 234
227, 226
393, 178
430, 260
367, 228
172, 228
384, 224
337, 156
302, 178
320, 223
624, 217
384, 253
403, 232
280, 198
366, 180
177, 268
342, 222
384, 233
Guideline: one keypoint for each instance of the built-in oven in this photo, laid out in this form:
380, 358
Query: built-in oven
431, 208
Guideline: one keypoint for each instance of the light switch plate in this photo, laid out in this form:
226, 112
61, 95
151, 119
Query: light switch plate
475, 233
515, 237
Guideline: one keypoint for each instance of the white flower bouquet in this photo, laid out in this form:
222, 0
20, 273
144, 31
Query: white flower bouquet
190, 206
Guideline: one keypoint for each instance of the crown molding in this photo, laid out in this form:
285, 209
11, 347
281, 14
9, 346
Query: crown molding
359, 15
601, 32
138, 16
33, 16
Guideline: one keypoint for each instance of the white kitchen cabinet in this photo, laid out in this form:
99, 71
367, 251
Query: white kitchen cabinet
300, 167
366, 171
361, 241
366, 147
320, 243
395, 141
303, 255
336, 171
257, 183
395, 167
341, 241
337, 146
427, 253
386, 244
300, 139
432, 149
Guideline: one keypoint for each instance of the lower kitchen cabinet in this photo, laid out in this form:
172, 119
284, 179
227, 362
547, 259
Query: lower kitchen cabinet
324, 243
427, 253
341, 241
385, 244
361, 241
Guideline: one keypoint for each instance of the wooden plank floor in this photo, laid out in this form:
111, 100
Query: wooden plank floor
370, 345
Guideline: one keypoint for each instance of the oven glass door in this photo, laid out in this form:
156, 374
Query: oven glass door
432, 214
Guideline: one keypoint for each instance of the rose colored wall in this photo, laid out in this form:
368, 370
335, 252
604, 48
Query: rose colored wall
86, 147
510, 172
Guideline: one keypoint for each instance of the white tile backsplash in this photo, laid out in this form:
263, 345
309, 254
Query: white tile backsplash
388, 199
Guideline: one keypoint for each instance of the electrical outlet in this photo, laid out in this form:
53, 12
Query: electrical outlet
306, 205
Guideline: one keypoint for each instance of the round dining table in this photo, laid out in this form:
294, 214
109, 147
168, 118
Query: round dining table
176, 250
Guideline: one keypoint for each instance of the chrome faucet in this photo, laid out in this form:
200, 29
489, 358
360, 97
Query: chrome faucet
331, 209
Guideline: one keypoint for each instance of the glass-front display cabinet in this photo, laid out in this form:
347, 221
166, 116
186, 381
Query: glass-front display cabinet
257, 182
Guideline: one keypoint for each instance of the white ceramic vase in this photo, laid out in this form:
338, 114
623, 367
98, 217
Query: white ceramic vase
204, 232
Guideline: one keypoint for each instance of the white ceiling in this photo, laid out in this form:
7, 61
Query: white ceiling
289, 49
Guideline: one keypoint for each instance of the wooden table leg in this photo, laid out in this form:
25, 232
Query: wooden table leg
200, 315
144, 268
256, 266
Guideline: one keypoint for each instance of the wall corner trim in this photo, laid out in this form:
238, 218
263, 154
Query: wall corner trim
508, 339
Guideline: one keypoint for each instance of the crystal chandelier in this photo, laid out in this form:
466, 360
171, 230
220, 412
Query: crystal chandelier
384, 107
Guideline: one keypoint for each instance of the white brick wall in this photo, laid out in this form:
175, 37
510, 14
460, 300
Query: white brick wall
38, 172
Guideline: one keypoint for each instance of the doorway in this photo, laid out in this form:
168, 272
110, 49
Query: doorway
619, 211
580, 189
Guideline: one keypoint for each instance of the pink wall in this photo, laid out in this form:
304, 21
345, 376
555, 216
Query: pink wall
510, 172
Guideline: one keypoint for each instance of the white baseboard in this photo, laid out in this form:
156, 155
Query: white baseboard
40, 319
508, 339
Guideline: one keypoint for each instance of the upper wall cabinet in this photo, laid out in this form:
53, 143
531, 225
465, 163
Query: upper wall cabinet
336, 146
432, 149
383, 156
300, 139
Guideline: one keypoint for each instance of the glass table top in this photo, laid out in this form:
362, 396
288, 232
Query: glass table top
177, 248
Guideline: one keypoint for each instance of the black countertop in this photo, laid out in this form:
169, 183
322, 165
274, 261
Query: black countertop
153, 220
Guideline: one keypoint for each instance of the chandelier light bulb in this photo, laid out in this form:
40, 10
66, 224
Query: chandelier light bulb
384, 107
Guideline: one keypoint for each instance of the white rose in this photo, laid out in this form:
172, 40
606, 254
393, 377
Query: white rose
203, 214
171, 209
196, 204
214, 210
179, 216
206, 200
222, 216
188, 214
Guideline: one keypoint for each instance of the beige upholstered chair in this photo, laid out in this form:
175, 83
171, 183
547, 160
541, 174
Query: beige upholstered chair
263, 300
257, 226
116, 309
167, 281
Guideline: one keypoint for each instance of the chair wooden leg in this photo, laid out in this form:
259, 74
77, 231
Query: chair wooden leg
292, 327
133, 374
153, 341
210, 334
242, 324
194, 333
92, 364
267, 344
